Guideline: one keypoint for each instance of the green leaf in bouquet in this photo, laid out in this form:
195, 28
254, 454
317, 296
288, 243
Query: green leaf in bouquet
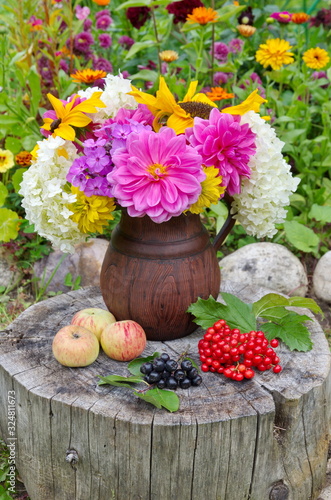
291, 331
236, 313
135, 364
160, 398
3, 193
9, 225
17, 178
119, 381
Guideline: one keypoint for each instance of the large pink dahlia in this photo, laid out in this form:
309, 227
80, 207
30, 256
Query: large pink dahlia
225, 144
156, 174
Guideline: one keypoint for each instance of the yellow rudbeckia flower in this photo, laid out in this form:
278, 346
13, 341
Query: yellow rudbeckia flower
69, 116
176, 115
252, 103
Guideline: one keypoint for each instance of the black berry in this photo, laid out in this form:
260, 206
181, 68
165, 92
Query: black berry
185, 383
158, 365
186, 365
171, 365
196, 380
192, 373
179, 375
146, 368
161, 384
172, 383
164, 357
166, 374
154, 377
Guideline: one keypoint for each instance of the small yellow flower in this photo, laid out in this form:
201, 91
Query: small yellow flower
6, 160
202, 15
316, 58
168, 55
274, 53
211, 190
91, 213
88, 75
252, 103
300, 17
246, 30
218, 94
24, 158
69, 116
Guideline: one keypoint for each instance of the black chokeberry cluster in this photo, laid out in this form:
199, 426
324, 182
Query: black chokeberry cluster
166, 373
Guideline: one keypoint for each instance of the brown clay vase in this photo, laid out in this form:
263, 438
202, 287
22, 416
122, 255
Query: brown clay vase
152, 272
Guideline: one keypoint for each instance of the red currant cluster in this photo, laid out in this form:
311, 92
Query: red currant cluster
225, 350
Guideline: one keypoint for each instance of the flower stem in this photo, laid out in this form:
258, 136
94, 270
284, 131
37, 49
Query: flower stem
157, 41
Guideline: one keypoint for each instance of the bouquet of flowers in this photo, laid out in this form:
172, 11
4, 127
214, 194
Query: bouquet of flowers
118, 147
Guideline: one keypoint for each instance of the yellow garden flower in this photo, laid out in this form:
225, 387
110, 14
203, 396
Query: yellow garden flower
316, 58
300, 17
218, 94
202, 15
246, 30
6, 160
91, 213
176, 115
168, 55
274, 53
211, 190
252, 103
88, 75
69, 116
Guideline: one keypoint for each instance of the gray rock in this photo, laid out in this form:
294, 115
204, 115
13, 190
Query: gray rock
268, 265
86, 262
8, 276
322, 278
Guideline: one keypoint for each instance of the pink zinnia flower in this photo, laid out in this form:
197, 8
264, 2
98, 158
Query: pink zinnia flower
82, 12
225, 144
282, 17
157, 174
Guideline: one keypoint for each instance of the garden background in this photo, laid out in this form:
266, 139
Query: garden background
281, 48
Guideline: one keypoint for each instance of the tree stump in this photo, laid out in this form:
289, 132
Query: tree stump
265, 438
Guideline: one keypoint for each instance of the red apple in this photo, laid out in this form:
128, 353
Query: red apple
93, 319
75, 346
123, 340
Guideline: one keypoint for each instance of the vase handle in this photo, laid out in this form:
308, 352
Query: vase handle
227, 226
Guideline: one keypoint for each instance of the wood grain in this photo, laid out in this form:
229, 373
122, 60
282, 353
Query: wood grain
256, 440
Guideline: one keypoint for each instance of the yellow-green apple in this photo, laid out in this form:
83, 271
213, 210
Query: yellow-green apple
75, 346
123, 340
94, 319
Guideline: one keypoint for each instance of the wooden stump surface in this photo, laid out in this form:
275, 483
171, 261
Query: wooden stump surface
265, 438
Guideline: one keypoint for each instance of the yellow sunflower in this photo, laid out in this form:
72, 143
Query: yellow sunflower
176, 115
252, 103
274, 53
91, 213
88, 75
211, 190
316, 58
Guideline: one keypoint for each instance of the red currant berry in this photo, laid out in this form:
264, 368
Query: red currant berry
203, 358
249, 373
274, 343
204, 367
226, 348
227, 372
219, 325
207, 336
275, 360
267, 360
248, 363
215, 364
212, 369
236, 358
220, 369
238, 377
261, 367
241, 367
207, 352
277, 369
249, 354
209, 361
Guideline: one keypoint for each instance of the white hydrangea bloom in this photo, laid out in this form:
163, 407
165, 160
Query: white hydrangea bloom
115, 96
260, 205
44, 200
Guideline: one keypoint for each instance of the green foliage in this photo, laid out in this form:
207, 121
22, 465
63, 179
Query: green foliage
269, 314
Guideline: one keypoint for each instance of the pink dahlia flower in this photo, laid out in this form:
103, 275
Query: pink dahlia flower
156, 174
225, 144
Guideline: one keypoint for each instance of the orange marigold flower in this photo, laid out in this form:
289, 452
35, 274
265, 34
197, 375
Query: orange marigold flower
236, 3
202, 15
300, 17
316, 58
218, 94
24, 158
88, 75
101, 2
246, 30
168, 55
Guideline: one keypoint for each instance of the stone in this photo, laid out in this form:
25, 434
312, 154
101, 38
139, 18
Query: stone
322, 277
8, 275
268, 265
86, 262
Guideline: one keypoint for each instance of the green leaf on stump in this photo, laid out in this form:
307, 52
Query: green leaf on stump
291, 331
119, 381
160, 398
135, 364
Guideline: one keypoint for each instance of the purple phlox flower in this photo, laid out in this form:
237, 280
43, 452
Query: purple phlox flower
221, 51
103, 64
126, 42
82, 12
87, 24
156, 174
83, 41
221, 78
91, 144
225, 144
236, 45
101, 13
282, 17
105, 40
77, 173
103, 22
94, 186
96, 159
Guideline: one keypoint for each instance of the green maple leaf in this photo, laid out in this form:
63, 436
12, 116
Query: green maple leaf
291, 331
160, 398
236, 313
